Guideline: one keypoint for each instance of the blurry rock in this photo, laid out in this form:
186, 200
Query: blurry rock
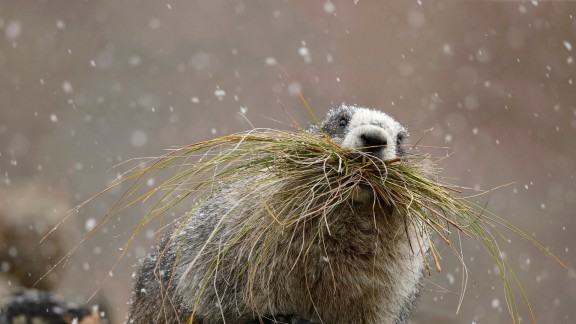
27, 213
34, 306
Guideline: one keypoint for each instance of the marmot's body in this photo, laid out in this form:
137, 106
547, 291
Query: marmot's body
364, 271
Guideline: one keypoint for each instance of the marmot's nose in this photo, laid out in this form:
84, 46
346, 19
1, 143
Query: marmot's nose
373, 143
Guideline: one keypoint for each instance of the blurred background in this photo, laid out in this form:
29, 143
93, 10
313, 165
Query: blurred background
86, 85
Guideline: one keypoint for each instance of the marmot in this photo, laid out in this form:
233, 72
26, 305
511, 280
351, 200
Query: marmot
364, 271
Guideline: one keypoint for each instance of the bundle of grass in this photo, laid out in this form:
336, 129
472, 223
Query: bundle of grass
332, 224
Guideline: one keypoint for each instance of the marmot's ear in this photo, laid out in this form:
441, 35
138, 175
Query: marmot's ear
314, 130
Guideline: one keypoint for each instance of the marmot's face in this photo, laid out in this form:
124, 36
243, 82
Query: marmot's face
369, 130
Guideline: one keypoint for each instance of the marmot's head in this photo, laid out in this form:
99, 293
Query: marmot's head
365, 129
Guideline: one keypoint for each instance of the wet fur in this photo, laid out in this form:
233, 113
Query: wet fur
364, 271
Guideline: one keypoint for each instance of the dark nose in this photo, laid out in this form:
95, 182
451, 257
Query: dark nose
373, 143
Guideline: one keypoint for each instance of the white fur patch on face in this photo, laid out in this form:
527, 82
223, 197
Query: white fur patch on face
373, 123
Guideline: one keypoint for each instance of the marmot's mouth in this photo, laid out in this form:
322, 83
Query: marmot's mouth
365, 187
364, 193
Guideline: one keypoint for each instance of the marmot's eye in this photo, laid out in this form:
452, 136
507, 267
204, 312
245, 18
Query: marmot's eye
399, 139
343, 122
